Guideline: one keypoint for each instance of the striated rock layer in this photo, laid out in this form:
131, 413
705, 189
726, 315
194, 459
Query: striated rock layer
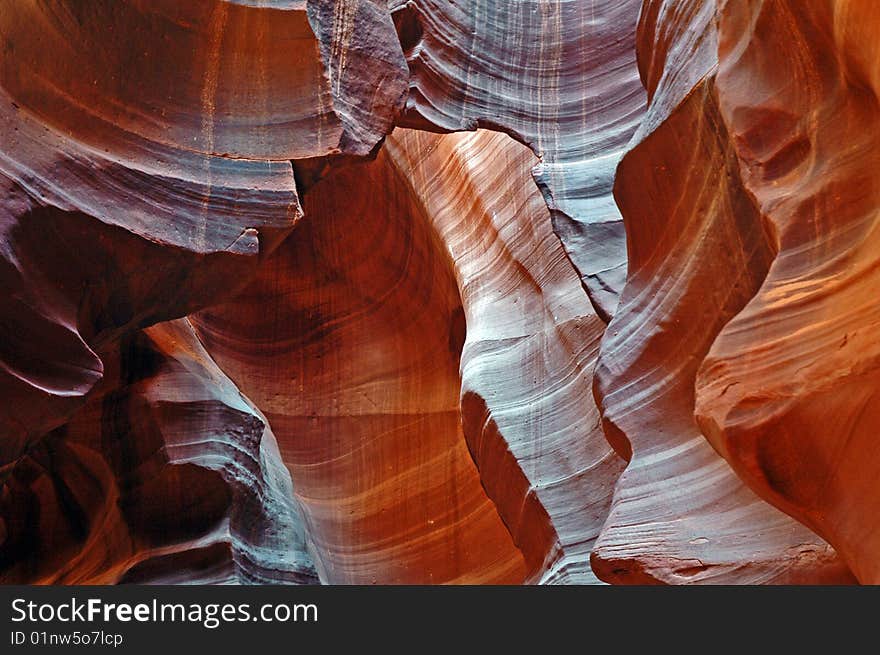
559, 76
698, 250
349, 340
139, 182
165, 430
532, 338
264, 318
788, 393
269, 80
398, 325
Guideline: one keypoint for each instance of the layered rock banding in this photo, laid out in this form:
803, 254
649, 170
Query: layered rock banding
559, 76
697, 252
356, 368
532, 339
268, 316
165, 430
158, 123
788, 393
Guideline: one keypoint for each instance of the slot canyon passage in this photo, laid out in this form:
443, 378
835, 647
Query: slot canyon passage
440, 292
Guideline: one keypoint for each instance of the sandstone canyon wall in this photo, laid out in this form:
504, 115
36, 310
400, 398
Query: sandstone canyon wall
439, 292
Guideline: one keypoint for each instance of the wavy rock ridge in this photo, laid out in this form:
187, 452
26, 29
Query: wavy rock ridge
438, 292
697, 252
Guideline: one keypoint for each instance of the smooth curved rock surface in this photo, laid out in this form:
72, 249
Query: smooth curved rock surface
166, 429
698, 251
145, 165
366, 343
349, 340
91, 248
559, 76
480, 365
532, 338
273, 80
788, 393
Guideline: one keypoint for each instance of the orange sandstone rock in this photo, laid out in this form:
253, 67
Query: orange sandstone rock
166, 475
698, 250
788, 392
